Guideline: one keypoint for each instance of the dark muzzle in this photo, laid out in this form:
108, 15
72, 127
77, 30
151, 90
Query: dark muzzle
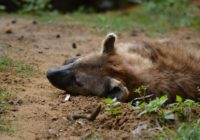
61, 77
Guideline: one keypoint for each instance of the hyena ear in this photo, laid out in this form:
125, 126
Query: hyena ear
118, 90
108, 43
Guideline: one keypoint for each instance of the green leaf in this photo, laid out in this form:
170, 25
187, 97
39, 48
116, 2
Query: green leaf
163, 99
189, 102
116, 110
108, 101
179, 99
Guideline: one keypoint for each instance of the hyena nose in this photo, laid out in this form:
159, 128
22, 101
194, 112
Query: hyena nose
51, 73
59, 77
54, 77
58, 72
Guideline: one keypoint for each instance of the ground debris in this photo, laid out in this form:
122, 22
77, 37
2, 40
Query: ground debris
34, 22
8, 31
90, 117
67, 98
139, 129
74, 46
16, 102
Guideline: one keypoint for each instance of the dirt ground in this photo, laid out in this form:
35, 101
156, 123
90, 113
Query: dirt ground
42, 115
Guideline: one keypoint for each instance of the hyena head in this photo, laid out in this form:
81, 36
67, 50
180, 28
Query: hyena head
99, 74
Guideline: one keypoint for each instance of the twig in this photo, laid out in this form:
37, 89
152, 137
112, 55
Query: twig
90, 117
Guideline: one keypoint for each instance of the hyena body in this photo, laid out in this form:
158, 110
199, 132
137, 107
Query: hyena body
118, 70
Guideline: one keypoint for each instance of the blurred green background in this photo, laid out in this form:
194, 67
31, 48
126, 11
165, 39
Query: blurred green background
154, 16
64, 5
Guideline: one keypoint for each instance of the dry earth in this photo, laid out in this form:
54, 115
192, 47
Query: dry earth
42, 115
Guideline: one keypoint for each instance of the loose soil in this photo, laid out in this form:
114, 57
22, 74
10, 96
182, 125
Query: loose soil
42, 114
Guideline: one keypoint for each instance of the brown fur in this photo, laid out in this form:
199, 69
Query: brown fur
170, 70
164, 70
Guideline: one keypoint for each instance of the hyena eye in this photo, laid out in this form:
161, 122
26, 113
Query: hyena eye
78, 82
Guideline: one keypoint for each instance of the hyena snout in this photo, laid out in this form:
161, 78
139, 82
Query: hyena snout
61, 77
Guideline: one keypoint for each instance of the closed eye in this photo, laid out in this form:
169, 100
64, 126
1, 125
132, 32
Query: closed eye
77, 82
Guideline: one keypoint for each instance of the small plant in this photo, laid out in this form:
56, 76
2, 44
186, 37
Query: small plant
3, 127
142, 99
7, 64
180, 112
141, 90
112, 106
182, 131
35, 5
154, 106
188, 131
3, 101
4, 106
167, 112
183, 108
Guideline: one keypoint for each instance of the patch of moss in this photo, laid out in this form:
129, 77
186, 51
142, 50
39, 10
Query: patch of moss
7, 64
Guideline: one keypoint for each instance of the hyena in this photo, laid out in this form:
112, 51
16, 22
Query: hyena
116, 71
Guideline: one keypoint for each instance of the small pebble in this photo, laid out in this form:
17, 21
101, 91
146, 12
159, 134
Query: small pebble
54, 119
14, 110
35, 46
74, 46
13, 21
188, 37
58, 36
21, 49
16, 102
34, 22
19, 102
8, 31
51, 131
20, 38
9, 46
67, 98
40, 52
78, 54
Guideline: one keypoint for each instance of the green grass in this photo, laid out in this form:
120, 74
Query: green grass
184, 131
7, 64
4, 106
150, 17
3, 101
188, 132
3, 126
113, 21
154, 17
140, 18
177, 121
